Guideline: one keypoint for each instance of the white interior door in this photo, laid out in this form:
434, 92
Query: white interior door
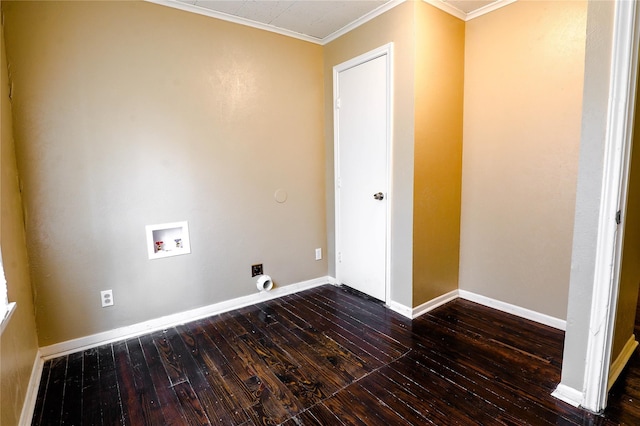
362, 134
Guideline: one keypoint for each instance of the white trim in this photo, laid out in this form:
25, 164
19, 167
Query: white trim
386, 50
569, 395
439, 4
29, 405
514, 309
362, 20
332, 281
452, 10
413, 313
234, 19
446, 7
10, 309
94, 340
434, 303
615, 177
271, 28
518, 311
618, 365
401, 309
488, 8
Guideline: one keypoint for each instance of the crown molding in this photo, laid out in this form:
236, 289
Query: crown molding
261, 26
440, 4
488, 8
362, 20
234, 19
446, 7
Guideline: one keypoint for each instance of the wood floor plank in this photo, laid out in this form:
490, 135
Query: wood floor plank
169, 359
324, 416
518, 333
214, 409
320, 370
110, 400
274, 402
328, 356
505, 403
498, 363
386, 394
52, 409
194, 414
42, 394
383, 343
373, 314
433, 401
385, 414
320, 338
145, 390
224, 385
192, 407
224, 379
167, 398
91, 395
306, 387
302, 419
212, 329
471, 407
132, 410
343, 356
267, 364
72, 403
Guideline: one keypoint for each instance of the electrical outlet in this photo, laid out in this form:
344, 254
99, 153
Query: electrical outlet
318, 254
107, 298
256, 270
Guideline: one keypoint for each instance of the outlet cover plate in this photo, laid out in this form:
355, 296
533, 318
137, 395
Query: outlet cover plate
256, 270
107, 298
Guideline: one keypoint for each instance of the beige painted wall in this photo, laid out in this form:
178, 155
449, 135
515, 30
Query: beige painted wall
131, 113
395, 26
18, 343
439, 87
524, 68
630, 269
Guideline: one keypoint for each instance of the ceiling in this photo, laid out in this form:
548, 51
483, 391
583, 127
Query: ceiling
318, 21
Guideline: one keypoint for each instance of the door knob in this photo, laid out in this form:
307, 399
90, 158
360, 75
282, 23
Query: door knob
379, 196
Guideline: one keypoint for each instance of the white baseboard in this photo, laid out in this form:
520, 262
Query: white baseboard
399, 308
434, 303
515, 310
569, 395
618, 365
26, 416
122, 333
161, 323
412, 313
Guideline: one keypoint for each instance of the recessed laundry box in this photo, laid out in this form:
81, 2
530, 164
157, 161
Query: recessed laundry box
168, 239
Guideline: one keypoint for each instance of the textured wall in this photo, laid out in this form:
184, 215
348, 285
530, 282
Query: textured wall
18, 343
395, 26
524, 68
439, 88
132, 113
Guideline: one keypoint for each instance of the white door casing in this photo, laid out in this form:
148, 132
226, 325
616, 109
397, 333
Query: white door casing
362, 139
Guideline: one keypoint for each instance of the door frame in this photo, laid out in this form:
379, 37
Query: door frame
614, 197
387, 51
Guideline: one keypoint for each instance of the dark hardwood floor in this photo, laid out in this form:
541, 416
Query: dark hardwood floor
327, 356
